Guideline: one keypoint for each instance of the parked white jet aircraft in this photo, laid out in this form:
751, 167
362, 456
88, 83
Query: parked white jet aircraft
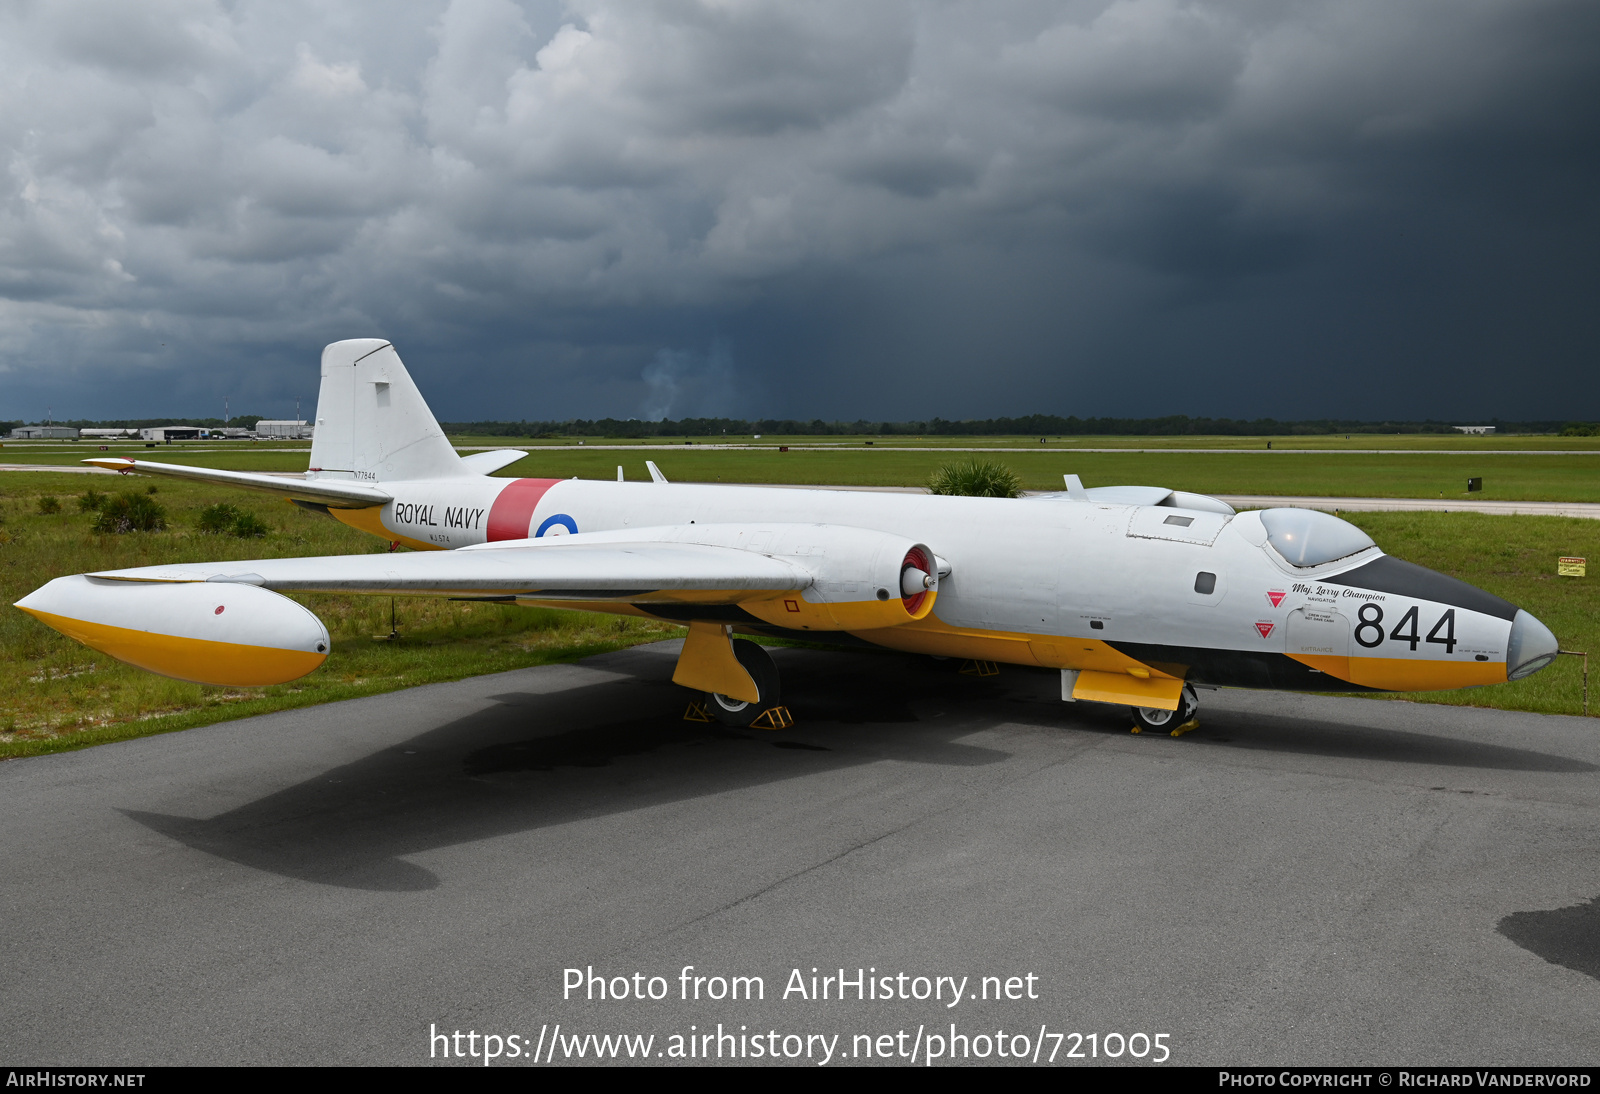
1138, 595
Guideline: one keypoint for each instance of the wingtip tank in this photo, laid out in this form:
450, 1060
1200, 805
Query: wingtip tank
223, 633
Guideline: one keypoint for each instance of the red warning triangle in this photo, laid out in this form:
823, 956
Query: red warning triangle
1276, 596
1264, 627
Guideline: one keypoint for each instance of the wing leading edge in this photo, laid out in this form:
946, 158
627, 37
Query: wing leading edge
572, 570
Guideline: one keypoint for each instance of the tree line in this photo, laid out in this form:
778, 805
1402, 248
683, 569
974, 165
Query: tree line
1032, 425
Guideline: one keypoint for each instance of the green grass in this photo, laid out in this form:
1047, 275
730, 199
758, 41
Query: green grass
1358, 442
1513, 557
1507, 476
56, 694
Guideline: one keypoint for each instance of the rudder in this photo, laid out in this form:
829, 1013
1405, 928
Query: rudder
372, 423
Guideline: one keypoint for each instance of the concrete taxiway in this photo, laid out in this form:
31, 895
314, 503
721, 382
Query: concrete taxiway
1301, 880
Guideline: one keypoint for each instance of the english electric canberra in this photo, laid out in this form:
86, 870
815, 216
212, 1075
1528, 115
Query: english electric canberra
1138, 595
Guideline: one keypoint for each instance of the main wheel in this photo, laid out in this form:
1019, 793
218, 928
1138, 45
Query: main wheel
758, 663
1156, 720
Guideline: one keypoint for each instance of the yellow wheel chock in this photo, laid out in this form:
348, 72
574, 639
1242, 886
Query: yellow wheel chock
1192, 723
773, 718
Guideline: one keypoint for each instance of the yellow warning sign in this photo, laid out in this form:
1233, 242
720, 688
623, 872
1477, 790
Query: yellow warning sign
1572, 567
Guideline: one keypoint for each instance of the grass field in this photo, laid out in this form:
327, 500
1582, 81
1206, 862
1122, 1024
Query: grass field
1507, 476
1513, 557
1357, 442
56, 694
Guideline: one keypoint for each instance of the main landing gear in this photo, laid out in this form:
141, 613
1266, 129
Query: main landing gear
737, 712
1176, 722
738, 678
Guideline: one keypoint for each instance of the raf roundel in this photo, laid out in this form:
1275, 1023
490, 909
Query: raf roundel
558, 525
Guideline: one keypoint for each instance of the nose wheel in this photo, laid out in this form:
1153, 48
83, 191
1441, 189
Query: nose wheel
1176, 722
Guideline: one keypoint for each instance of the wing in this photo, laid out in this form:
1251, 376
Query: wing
224, 622
339, 495
554, 570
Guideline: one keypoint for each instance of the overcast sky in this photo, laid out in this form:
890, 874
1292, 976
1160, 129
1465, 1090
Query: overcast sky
811, 209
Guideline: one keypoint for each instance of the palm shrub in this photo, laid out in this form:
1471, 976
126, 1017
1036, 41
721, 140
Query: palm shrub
975, 478
130, 513
48, 505
90, 500
222, 517
218, 518
249, 526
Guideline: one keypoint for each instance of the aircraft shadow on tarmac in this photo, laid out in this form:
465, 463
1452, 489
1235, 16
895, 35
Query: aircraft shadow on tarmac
538, 759
609, 747
1565, 936
1273, 733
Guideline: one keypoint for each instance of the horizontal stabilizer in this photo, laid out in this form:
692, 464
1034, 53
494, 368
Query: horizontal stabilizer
487, 463
339, 495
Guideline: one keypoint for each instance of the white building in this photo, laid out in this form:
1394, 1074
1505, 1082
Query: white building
171, 433
1475, 429
44, 433
284, 429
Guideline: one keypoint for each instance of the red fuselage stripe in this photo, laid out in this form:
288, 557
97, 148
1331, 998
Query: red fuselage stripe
512, 511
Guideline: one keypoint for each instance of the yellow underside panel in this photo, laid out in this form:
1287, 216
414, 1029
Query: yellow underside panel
701, 596
708, 664
607, 606
1161, 692
934, 636
197, 660
1406, 674
370, 520
794, 611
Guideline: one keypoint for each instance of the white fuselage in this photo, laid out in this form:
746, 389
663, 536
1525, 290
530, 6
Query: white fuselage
1044, 581
1135, 593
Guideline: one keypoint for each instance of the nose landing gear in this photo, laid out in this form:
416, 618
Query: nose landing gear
1176, 722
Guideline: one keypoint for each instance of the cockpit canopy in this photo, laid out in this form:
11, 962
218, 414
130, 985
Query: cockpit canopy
1306, 537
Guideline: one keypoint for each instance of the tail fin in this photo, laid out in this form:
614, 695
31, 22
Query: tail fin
372, 423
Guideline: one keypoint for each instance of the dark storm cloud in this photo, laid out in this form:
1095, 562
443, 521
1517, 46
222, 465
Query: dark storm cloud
807, 209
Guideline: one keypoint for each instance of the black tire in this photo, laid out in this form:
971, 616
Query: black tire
758, 663
1156, 720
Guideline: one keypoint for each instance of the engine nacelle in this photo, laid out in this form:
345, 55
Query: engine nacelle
864, 580
861, 579
206, 632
